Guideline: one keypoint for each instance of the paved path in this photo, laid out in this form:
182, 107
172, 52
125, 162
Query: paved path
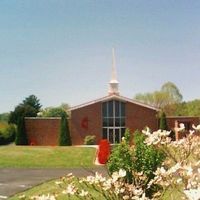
13, 181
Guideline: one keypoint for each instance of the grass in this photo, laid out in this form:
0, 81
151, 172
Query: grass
51, 188
45, 157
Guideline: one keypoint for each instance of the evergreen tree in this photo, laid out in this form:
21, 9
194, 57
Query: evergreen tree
21, 137
28, 108
163, 122
64, 138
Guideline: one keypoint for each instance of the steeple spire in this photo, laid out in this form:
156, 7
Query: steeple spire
113, 84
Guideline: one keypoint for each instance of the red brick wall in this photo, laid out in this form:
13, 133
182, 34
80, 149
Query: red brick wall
86, 121
137, 117
42, 131
188, 121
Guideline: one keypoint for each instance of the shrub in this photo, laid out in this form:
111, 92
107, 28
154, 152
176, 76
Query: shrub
163, 122
89, 140
104, 151
134, 159
64, 138
122, 157
146, 158
7, 134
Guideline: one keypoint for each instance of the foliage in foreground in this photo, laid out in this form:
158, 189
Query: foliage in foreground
139, 158
122, 158
180, 170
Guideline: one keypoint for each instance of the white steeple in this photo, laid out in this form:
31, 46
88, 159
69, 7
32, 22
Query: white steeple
113, 84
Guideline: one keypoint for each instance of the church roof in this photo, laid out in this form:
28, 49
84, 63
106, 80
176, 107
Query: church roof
113, 97
113, 92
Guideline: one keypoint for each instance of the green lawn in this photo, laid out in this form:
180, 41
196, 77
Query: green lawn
51, 188
45, 157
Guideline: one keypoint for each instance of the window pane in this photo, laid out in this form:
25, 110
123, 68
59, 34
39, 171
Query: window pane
110, 122
117, 136
105, 121
122, 109
117, 122
123, 121
111, 134
117, 103
104, 136
110, 108
122, 132
104, 109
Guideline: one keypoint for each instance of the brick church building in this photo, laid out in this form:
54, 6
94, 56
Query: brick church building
106, 117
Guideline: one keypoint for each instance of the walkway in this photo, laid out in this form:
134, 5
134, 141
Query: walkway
13, 181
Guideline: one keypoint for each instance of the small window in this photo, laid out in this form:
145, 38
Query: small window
122, 121
117, 136
110, 122
104, 133
123, 132
117, 103
104, 109
110, 109
122, 109
105, 121
117, 121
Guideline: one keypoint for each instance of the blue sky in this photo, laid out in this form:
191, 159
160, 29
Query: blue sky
60, 50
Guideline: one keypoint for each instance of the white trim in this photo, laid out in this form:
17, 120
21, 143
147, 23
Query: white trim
110, 97
42, 118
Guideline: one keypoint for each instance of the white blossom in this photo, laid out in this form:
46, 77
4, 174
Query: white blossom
83, 193
122, 173
71, 189
44, 197
196, 128
192, 194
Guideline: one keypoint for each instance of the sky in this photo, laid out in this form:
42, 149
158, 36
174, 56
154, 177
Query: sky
61, 50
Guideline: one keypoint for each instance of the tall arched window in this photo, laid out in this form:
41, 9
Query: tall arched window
113, 115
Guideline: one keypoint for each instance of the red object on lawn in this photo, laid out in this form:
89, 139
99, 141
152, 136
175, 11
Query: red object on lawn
103, 151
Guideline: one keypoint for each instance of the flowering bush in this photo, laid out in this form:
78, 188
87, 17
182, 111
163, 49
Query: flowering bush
182, 166
103, 151
137, 159
112, 188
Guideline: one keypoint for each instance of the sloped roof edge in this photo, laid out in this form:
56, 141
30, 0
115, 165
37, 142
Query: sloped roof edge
113, 96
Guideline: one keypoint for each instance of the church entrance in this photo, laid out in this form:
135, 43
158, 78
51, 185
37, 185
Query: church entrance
113, 135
